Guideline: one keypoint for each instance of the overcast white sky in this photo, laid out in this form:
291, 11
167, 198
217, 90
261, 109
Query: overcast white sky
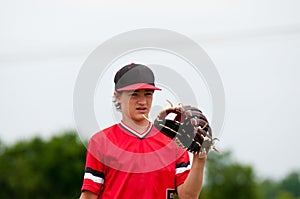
254, 45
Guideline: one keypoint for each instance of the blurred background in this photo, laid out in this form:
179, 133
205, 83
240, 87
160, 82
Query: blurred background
253, 44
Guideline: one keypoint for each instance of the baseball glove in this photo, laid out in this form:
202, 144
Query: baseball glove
188, 127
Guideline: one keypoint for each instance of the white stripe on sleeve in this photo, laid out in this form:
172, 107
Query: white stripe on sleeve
93, 178
183, 169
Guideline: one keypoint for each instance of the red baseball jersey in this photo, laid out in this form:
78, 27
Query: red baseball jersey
121, 163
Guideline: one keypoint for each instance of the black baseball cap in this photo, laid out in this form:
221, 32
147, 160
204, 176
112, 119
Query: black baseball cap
135, 77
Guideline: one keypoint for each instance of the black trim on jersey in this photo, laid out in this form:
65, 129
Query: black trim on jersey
94, 172
170, 193
133, 132
182, 164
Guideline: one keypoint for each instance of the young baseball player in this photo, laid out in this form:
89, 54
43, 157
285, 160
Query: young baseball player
132, 159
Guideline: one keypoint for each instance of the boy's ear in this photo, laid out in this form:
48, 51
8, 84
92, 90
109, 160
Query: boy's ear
117, 96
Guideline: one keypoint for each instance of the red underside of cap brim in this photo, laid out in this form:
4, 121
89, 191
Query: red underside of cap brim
138, 86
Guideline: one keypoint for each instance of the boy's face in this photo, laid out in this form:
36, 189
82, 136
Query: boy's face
135, 104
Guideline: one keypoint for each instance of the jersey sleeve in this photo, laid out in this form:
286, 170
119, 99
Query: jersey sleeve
183, 167
94, 169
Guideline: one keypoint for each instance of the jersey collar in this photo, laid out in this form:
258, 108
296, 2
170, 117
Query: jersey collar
132, 131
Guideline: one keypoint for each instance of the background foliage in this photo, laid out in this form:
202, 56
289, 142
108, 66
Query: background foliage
42, 169
54, 168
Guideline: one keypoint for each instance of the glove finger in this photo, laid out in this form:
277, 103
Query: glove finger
204, 133
194, 147
168, 127
195, 114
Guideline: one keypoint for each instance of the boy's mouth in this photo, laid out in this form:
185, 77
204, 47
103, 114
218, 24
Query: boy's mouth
141, 108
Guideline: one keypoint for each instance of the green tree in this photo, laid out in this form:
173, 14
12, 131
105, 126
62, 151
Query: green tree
284, 195
291, 184
42, 169
228, 179
286, 188
269, 189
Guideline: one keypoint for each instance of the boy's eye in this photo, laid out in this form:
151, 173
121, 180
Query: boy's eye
149, 94
133, 94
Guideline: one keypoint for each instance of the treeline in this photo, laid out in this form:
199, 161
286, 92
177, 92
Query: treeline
53, 169
226, 178
39, 169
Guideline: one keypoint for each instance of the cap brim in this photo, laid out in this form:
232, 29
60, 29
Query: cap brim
138, 86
